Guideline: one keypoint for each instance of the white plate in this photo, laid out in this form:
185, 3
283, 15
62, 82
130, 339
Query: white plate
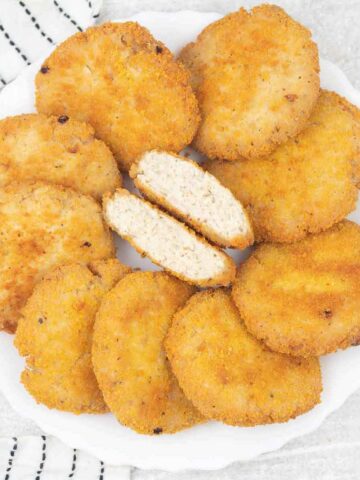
208, 446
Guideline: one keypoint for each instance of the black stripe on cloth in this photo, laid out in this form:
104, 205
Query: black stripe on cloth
11, 458
73, 465
43, 458
13, 44
3, 81
91, 7
66, 15
34, 21
102, 470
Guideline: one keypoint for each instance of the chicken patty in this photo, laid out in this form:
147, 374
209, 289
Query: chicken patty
55, 332
182, 187
307, 185
126, 84
56, 150
41, 227
129, 358
256, 76
303, 299
228, 374
166, 241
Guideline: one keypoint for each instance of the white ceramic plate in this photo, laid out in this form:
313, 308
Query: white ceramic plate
208, 446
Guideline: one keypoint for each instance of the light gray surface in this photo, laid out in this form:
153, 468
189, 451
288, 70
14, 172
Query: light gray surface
333, 451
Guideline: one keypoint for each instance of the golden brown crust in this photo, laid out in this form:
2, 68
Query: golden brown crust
41, 227
303, 299
126, 84
55, 336
225, 278
241, 241
355, 112
256, 76
128, 355
56, 150
228, 374
306, 185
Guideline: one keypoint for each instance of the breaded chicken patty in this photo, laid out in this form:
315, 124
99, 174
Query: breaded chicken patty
56, 150
182, 187
129, 358
167, 242
228, 374
126, 84
55, 332
41, 227
304, 299
307, 185
256, 76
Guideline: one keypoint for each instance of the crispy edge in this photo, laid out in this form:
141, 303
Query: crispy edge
225, 278
355, 112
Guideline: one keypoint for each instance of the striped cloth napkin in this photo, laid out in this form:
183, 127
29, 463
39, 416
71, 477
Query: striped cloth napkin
30, 29
46, 458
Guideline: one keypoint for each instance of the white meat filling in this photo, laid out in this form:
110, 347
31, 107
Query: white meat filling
194, 192
164, 239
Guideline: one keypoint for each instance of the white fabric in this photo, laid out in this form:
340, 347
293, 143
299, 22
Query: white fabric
46, 458
29, 29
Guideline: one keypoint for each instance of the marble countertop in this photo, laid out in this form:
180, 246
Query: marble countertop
333, 451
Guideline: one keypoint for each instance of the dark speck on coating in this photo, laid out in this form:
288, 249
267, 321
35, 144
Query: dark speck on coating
63, 119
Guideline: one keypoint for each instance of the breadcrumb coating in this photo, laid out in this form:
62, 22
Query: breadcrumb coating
256, 76
303, 299
228, 374
55, 335
56, 150
355, 112
307, 185
126, 84
41, 227
129, 358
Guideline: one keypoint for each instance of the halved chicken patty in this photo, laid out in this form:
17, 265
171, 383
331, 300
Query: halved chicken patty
195, 196
166, 241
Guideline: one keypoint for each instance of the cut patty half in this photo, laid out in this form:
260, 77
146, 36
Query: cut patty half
166, 241
182, 187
